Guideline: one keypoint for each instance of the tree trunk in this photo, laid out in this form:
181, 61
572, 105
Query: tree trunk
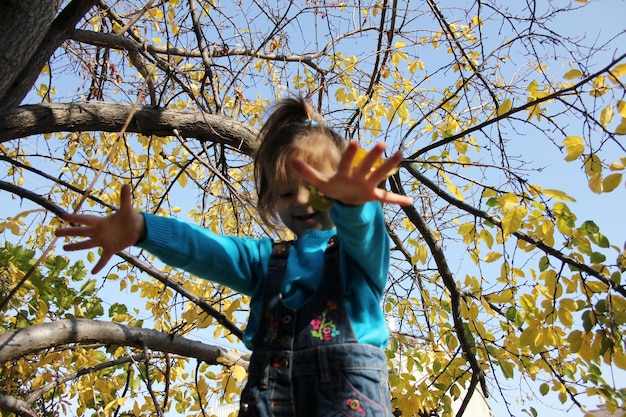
28, 22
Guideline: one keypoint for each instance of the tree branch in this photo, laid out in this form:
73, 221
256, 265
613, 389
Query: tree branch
35, 338
75, 117
448, 279
17, 406
518, 234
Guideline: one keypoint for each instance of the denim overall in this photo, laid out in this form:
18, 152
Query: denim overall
307, 362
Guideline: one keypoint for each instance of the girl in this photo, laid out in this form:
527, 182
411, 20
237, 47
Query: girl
316, 328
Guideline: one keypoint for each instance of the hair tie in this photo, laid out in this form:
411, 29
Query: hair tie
310, 122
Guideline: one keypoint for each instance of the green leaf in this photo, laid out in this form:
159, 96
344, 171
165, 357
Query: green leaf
507, 369
511, 313
544, 263
589, 320
597, 258
589, 227
88, 287
544, 389
575, 340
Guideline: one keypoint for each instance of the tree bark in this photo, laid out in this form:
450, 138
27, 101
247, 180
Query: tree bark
34, 22
21, 342
16, 50
74, 117
17, 406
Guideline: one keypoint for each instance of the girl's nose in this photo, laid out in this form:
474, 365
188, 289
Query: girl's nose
302, 198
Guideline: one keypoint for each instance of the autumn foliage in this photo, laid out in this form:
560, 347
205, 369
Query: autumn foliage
503, 281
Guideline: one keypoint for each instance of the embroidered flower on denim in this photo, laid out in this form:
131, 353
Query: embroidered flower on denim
272, 332
324, 326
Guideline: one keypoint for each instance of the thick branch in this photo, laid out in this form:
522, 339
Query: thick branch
18, 343
17, 406
61, 28
74, 117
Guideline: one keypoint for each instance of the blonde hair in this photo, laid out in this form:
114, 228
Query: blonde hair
292, 129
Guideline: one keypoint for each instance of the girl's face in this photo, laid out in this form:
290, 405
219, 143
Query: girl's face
294, 210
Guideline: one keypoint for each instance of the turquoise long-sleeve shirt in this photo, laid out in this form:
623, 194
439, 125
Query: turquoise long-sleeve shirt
241, 263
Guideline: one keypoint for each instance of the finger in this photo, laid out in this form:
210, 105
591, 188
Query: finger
307, 172
345, 163
126, 202
83, 244
85, 219
79, 231
393, 198
382, 172
371, 158
104, 259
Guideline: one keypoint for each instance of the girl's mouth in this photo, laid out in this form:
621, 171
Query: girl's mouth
306, 217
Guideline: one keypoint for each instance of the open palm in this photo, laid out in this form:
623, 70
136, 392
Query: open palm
356, 183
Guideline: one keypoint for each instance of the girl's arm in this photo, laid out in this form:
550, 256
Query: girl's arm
228, 260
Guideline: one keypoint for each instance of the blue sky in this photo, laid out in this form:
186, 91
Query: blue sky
602, 17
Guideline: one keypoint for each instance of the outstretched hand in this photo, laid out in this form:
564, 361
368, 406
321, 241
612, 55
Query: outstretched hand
356, 185
112, 233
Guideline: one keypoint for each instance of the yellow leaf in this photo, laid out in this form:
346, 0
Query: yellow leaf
318, 200
611, 182
593, 165
599, 86
621, 129
239, 372
492, 256
512, 220
597, 286
566, 317
574, 147
619, 359
606, 115
454, 190
361, 153
621, 108
572, 74
505, 107
527, 302
619, 70
558, 194
595, 183
155, 13
486, 237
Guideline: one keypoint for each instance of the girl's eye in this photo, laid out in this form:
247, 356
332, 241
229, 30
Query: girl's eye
287, 194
